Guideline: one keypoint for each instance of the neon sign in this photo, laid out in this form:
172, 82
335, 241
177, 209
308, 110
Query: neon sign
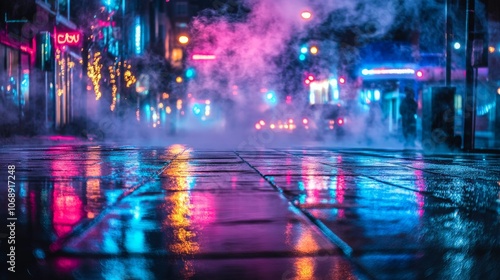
203, 57
68, 38
403, 71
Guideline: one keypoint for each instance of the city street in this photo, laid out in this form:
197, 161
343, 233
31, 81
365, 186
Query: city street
89, 211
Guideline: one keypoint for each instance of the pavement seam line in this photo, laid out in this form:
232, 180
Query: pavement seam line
330, 235
86, 224
335, 239
426, 193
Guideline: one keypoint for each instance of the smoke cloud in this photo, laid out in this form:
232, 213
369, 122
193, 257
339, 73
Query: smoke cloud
256, 44
253, 48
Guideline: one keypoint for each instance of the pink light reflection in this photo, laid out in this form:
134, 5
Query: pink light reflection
67, 208
340, 188
66, 264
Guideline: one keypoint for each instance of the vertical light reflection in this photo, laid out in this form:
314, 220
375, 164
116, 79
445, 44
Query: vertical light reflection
124, 168
203, 209
179, 207
288, 161
67, 208
420, 184
340, 187
62, 165
234, 182
304, 267
93, 191
313, 184
66, 204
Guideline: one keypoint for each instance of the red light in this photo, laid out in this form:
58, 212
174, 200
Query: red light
342, 80
340, 121
307, 82
258, 126
420, 74
305, 121
310, 78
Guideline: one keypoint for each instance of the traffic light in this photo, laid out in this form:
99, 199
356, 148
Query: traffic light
309, 79
271, 98
45, 51
190, 73
303, 52
314, 50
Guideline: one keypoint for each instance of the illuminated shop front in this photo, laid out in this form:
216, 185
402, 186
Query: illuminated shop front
68, 72
14, 81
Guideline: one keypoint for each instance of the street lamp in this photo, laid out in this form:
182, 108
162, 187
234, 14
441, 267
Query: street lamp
306, 15
314, 50
183, 39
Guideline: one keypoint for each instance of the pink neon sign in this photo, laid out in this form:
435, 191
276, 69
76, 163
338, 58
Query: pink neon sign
396, 71
68, 38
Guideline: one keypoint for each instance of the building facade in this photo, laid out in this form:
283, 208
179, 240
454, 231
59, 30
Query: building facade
41, 67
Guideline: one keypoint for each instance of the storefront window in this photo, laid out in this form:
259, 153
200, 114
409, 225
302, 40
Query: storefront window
9, 89
14, 84
25, 82
485, 116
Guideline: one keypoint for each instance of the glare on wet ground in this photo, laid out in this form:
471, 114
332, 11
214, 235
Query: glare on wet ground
120, 212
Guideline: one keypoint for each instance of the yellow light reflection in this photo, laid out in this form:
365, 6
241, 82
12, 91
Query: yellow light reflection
93, 190
179, 207
304, 267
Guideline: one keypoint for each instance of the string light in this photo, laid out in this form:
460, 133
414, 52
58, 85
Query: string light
62, 69
130, 79
113, 73
94, 73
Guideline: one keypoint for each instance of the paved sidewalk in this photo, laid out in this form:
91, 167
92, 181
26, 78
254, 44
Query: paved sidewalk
87, 211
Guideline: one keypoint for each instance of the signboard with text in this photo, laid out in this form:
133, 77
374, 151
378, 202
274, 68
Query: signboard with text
72, 39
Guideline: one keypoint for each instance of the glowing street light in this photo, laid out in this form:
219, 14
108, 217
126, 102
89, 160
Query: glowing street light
183, 39
306, 15
457, 46
314, 50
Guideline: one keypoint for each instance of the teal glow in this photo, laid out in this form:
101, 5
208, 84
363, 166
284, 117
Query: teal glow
196, 109
270, 98
190, 73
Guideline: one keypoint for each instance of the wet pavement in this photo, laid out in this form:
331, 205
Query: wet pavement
87, 211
